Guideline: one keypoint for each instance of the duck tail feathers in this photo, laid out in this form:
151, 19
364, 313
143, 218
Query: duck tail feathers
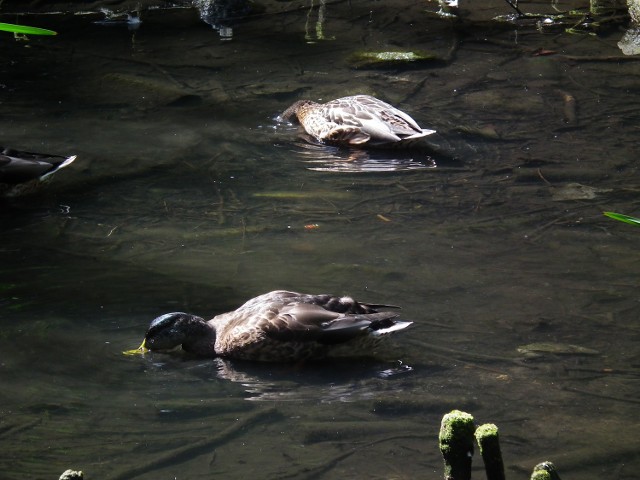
424, 133
68, 161
397, 325
378, 306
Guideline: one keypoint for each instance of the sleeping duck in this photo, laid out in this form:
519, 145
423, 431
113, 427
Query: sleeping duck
20, 171
278, 326
359, 120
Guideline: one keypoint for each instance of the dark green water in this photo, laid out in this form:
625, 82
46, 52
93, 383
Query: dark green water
187, 195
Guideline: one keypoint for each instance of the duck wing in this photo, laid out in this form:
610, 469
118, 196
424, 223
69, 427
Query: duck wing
380, 121
399, 121
333, 303
302, 322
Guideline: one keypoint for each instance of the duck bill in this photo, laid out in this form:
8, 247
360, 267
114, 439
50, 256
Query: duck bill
141, 350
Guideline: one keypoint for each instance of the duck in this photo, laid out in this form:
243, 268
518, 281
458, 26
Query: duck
356, 121
20, 170
279, 326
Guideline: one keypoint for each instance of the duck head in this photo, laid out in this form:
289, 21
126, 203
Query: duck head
296, 112
168, 331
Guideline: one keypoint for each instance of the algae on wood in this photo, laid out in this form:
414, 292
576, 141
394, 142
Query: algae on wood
456, 444
545, 471
489, 445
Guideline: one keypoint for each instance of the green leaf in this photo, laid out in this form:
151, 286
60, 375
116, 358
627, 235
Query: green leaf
623, 218
10, 27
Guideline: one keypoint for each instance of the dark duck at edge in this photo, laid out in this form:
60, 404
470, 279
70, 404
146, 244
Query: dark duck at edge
21, 172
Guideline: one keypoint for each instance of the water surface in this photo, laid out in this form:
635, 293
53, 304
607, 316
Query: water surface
188, 195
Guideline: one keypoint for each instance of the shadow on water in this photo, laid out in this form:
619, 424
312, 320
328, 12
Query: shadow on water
187, 196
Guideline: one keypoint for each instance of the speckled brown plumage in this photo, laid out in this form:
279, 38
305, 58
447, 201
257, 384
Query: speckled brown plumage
279, 326
359, 120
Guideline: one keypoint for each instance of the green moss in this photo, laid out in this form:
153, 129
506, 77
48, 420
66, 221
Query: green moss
486, 432
456, 444
489, 445
541, 475
456, 427
455, 419
545, 471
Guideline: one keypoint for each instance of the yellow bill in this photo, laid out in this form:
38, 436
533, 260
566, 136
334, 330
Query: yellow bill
141, 350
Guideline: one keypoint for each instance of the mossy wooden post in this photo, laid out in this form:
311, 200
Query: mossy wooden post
489, 445
456, 444
545, 471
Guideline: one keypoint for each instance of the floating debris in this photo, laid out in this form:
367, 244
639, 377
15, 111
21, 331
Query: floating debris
556, 349
18, 30
72, 475
399, 369
286, 195
489, 131
629, 44
390, 59
577, 191
448, 8
623, 218
115, 18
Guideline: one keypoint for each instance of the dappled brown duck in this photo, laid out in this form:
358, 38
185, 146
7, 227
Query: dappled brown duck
278, 326
20, 171
359, 120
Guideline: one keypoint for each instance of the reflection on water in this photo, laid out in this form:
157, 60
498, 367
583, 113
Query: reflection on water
222, 14
329, 158
339, 381
182, 199
112, 19
326, 158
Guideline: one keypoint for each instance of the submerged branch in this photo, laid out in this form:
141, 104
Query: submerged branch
599, 395
181, 454
465, 357
313, 473
12, 430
